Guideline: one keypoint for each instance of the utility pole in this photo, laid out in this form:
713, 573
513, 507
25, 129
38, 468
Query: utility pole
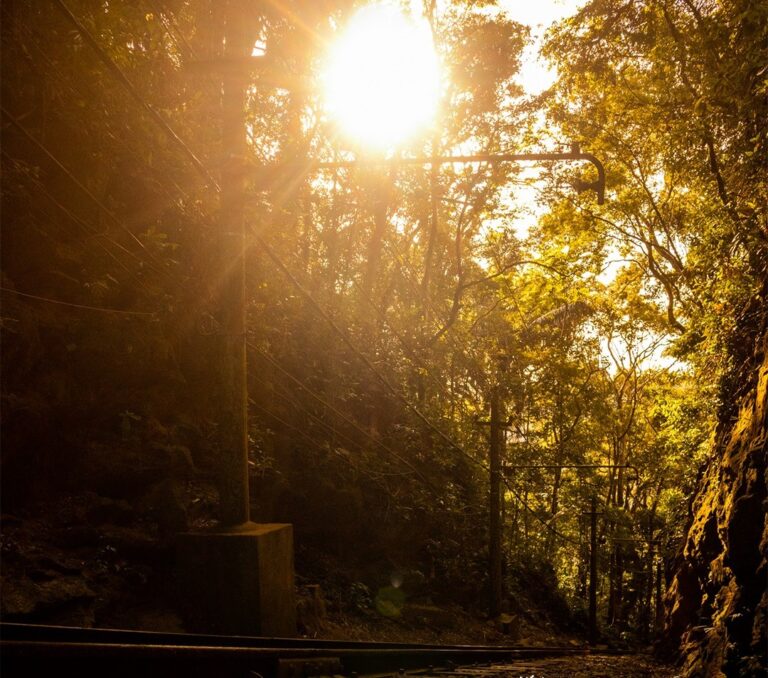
659, 611
648, 622
593, 571
494, 549
496, 442
234, 504
236, 579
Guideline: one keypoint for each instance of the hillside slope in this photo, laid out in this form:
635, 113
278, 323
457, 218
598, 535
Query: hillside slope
717, 604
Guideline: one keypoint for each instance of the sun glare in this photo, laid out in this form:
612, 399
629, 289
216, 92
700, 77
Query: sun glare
382, 78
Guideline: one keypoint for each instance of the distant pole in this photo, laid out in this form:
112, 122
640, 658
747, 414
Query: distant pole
495, 506
659, 612
593, 572
648, 622
234, 506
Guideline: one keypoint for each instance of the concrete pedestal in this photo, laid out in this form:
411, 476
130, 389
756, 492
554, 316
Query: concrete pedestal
238, 581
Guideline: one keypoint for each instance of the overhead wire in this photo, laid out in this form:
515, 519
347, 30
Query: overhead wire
402, 398
296, 402
348, 341
309, 439
93, 232
39, 144
407, 276
336, 411
168, 130
169, 22
86, 307
146, 258
78, 86
116, 71
387, 384
123, 79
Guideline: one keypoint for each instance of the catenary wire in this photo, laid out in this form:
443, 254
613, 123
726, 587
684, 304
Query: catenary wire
123, 79
387, 384
85, 307
296, 402
117, 72
308, 438
93, 232
39, 144
336, 411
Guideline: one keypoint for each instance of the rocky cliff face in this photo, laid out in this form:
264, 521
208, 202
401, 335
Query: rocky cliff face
717, 604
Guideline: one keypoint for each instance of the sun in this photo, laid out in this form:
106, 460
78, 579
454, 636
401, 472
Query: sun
382, 78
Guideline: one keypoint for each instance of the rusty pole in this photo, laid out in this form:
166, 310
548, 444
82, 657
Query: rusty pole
593, 572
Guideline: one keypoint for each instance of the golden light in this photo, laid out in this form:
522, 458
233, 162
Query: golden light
382, 78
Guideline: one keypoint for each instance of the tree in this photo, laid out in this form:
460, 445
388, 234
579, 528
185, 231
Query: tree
672, 95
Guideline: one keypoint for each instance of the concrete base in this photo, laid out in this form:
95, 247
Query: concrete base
238, 581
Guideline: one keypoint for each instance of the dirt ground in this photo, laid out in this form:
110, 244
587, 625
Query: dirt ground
591, 666
93, 562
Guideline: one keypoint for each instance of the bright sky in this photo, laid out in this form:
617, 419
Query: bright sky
535, 76
380, 97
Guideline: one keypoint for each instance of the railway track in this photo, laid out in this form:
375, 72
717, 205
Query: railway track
32, 650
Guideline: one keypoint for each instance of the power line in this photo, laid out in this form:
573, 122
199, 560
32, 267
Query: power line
295, 401
123, 79
338, 412
148, 258
546, 525
345, 338
168, 130
86, 307
90, 228
168, 23
386, 383
404, 344
115, 70
302, 433
72, 177
408, 350
85, 93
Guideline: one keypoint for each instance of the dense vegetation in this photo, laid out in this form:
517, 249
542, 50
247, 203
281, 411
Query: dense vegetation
387, 307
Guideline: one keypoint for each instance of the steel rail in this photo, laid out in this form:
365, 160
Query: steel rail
10, 631
47, 650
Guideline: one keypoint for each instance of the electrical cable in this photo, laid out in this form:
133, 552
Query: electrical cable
90, 228
293, 400
338, 412
148, 259
311, 440
71, 176
128, 85
86, 307
386, 383
345, 338
59, 76
116, 71
168, 130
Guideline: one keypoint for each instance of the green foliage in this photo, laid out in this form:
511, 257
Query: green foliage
579, 324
